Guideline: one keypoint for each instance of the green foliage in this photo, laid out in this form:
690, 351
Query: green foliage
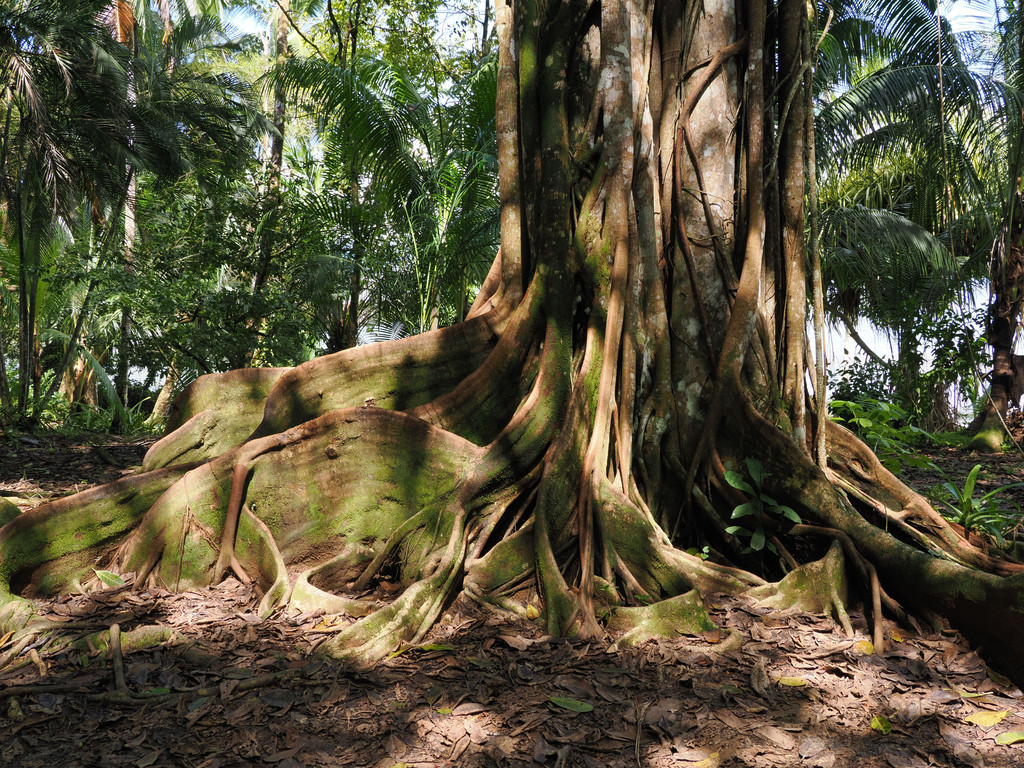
885, 429
984, 513
857, 379
760, 508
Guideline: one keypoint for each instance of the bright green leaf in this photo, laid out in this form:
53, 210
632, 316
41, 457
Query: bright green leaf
109, 578
744, 510
571, 704
757, 541
735, 479
881, 724
1010, 737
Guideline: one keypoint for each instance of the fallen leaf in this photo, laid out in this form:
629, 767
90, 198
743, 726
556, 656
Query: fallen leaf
881, 724
792, 682
712, 761
865, 647
278, 698
433, 693
995, 677
777, 736
905, 760
731, 720
109, 578
689, 755
812, 746
514, 641
277, 757
1010, 737
571, 704
468, 708
331, 623
759, 678
664, 710
942, 696
988, 719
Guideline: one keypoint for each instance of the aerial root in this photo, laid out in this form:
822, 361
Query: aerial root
239, 480
411, 615
117, 659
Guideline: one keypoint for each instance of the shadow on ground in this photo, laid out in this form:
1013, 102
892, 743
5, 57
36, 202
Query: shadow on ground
488, 691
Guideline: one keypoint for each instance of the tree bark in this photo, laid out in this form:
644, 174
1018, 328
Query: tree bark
1007, 300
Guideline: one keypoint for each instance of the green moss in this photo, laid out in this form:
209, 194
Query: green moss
818, 587
681, 615
988, 440
8, 511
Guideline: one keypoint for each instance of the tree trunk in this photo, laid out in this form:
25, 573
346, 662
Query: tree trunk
274, 167
124, 330
624, 381
162, 406
1007, 300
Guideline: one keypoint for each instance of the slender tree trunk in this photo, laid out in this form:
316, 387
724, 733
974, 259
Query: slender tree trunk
350, 336
1006, 302
275, 164
162, 406
124, 330
26, 283
793, 127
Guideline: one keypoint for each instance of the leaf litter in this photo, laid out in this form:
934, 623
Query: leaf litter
482, 690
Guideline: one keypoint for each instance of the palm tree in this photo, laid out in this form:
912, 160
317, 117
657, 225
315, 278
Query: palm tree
428, 189
63, 79
86, 115
904, 142
1006, 267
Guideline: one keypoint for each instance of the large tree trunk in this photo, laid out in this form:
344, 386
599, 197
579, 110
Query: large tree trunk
630, 373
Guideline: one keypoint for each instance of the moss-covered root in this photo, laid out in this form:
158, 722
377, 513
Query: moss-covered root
681, 615
258, 554
49, 549
989, 439
411, 615
855, 469
645, 562
397, 375
213, 414
987, 607
818, 587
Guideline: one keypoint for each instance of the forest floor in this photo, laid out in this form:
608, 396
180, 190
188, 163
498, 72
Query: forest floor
484, 690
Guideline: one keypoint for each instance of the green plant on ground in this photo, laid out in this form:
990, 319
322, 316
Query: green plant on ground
760, 506
883, 426
984, 513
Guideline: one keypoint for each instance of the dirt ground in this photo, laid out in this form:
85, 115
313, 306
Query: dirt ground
231, 689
